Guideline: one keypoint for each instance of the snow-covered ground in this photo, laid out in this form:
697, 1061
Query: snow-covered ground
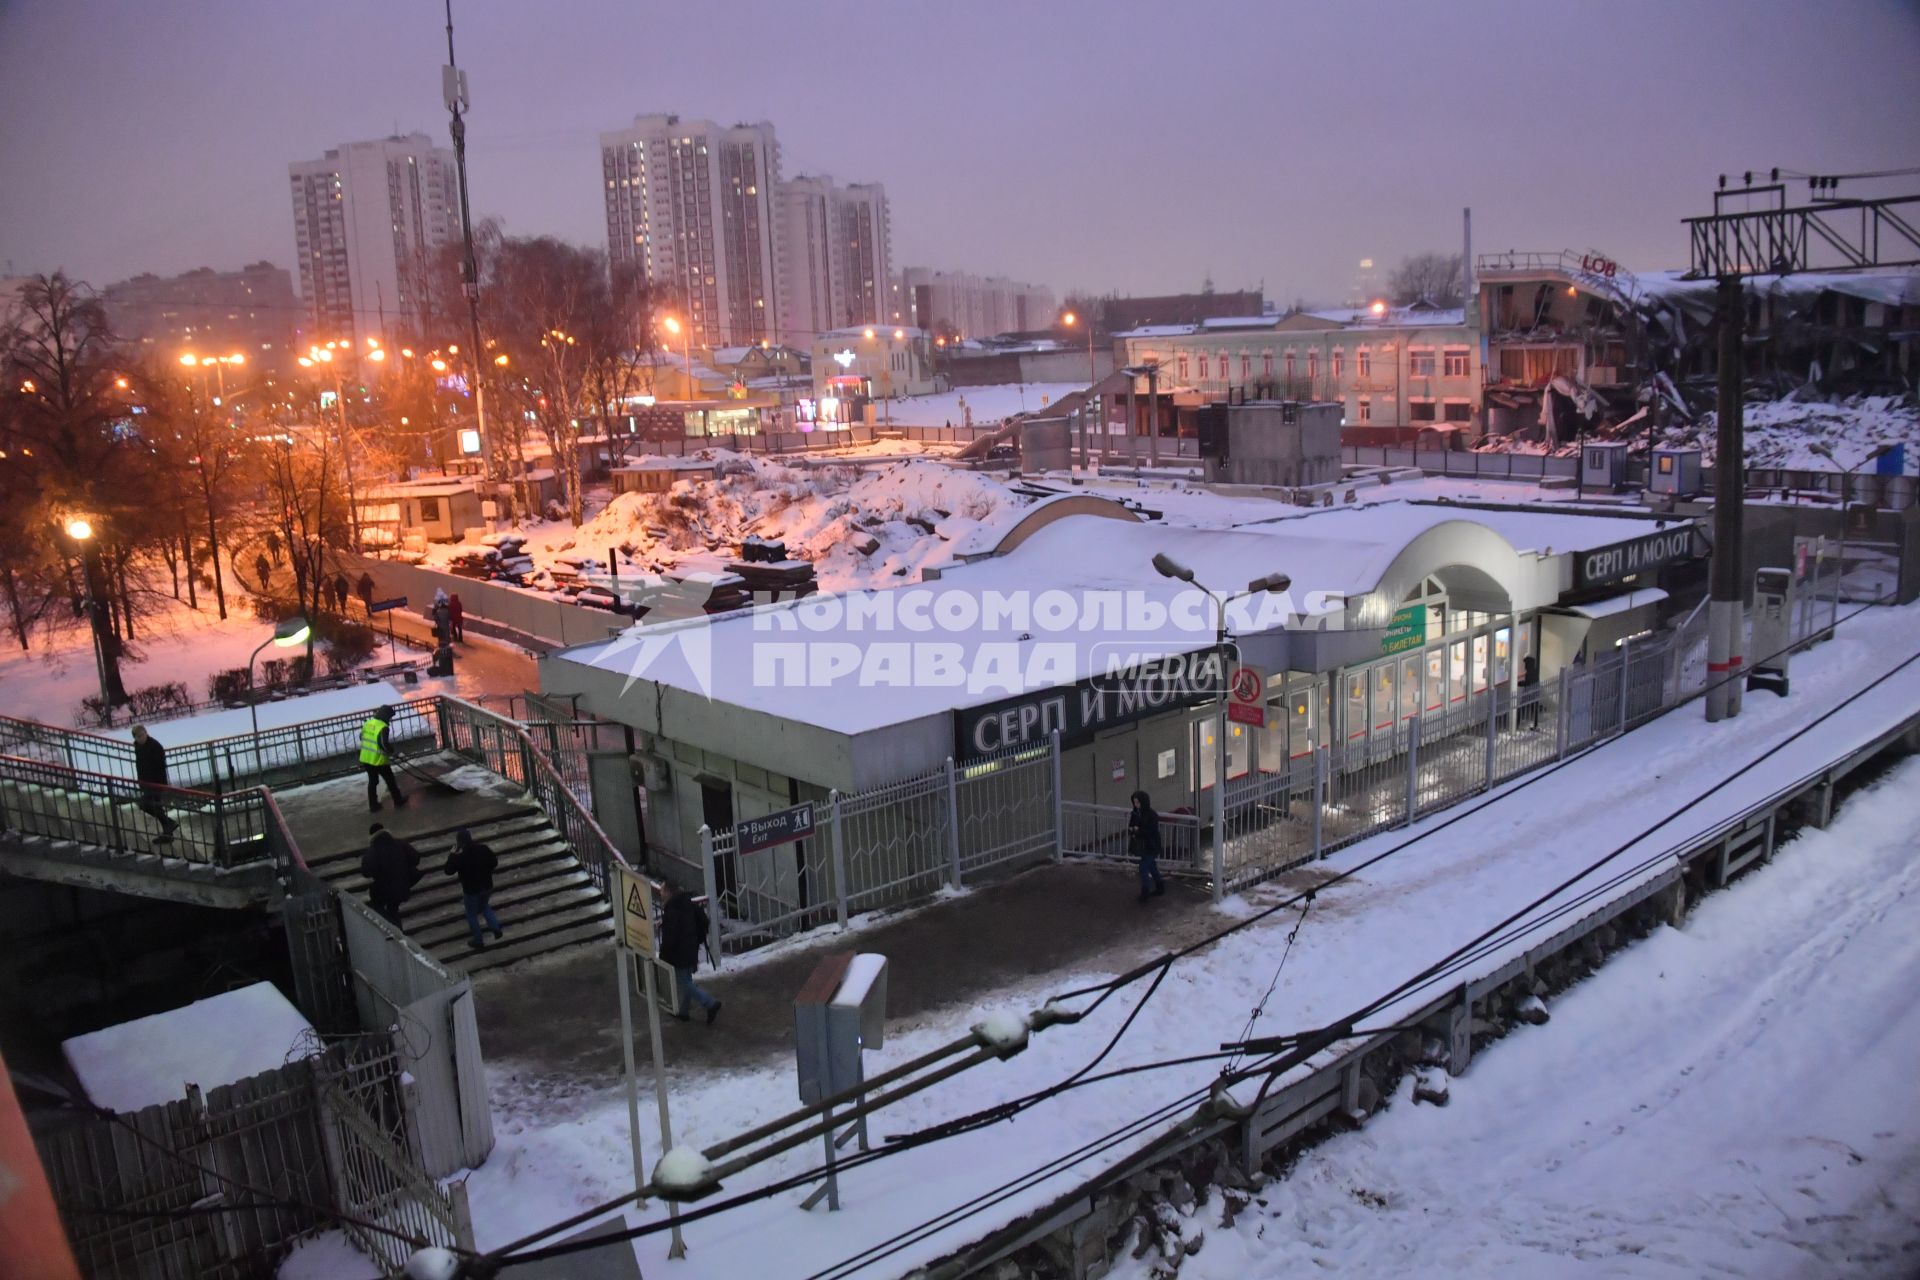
1362, 938
180, 644
1734, 1097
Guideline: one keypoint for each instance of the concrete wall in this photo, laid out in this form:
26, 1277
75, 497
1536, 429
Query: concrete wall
554, 623
1265, 447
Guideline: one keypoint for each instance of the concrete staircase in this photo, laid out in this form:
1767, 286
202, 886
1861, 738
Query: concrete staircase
540, 892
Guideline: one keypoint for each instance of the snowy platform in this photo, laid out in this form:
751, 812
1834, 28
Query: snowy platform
209, 1043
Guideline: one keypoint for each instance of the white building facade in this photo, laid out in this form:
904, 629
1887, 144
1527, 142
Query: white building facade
956, 304
692, 205
835, 247
1403, 368
367, 219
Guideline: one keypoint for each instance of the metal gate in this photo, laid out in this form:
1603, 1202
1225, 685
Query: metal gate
364, 1120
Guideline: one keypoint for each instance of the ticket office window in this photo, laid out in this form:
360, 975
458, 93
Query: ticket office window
1457, 671
1480, 664
1384, 682
1410, 671
1356, 704
1436, 679
1303, 718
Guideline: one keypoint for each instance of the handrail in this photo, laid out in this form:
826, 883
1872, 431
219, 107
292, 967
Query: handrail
57, 802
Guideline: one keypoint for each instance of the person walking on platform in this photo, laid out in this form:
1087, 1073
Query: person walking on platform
1143, 831
683, 927
474, 863
392, 868
457, 616
150, 770
375, 760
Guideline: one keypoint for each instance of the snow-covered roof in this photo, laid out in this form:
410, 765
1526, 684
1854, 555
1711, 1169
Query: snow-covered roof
667, 464
426, 487
1893, 286
213, 1042
1626, 600
1338, 558
879, 330
1394, 318
1239, 322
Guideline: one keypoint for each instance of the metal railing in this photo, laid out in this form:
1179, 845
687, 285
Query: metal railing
56, 803
1100, 832
508, 749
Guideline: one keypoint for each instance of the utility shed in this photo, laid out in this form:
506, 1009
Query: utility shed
209, 1043
1272, 442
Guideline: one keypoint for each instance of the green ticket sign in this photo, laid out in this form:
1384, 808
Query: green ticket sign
1406, 630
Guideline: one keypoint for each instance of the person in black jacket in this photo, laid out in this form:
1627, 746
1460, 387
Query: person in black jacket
683, 927
474, 863
392, 868
150, 769
1143, 828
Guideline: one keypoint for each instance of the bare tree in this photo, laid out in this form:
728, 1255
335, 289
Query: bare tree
82, 477
1438, 278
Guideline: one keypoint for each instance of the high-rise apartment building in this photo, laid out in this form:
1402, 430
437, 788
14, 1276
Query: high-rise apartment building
367, 218
969, 306
251, 311
835, 251
691, 204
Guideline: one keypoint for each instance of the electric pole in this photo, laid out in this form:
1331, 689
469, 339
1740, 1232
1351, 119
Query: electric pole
453, 87
1726, 618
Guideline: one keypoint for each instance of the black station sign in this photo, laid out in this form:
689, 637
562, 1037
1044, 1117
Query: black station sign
1637, 555
1144, 687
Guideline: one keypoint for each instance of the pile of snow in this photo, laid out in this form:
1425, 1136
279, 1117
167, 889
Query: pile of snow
210, 1043
1003, 1032
1781, 433
682, 1171
859, 527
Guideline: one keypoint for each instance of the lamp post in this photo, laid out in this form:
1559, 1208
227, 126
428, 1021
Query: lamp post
1070, 320
1168, 567
686, 350
219, 366
287, 633
81, 531
315, 358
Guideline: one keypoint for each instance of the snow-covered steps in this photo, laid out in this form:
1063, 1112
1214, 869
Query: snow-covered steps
541, 894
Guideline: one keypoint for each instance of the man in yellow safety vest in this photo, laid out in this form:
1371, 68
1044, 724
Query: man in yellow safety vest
375, 761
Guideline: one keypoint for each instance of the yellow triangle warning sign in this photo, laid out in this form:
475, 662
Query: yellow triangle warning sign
636, 905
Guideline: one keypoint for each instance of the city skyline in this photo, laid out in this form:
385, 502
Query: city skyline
1227, 171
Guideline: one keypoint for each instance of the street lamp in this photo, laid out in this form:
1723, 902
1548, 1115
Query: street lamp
1070, 320
80, 530
1168, 567
287, 633
686, 350
315, 357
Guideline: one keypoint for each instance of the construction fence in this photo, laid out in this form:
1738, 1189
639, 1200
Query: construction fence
218, 1186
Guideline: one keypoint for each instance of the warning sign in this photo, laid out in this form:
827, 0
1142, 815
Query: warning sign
634, 893
1247, 696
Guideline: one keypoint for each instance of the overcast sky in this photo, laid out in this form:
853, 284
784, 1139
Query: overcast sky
1105, 146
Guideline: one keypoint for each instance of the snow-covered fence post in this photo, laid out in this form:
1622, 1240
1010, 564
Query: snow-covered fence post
1626, 671
1493, 730
1413, 769
713, 895
1059, 810
953, 826
1319, 798
839, 860
1560, 719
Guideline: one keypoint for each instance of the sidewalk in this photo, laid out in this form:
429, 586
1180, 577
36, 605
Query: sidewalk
556, 1022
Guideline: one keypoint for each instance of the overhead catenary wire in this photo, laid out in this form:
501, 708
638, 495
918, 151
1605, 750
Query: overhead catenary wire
1156, 967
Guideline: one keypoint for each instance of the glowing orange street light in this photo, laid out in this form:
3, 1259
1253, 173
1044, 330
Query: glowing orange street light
439, 366
1379, 308
501, 359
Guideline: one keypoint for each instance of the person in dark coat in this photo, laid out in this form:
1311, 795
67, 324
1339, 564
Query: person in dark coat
340, 593
263, 571
457, 616
442, 617
150, 769
1143, 830
683, 927
474, 863
392, 868
365, 588
1529, 678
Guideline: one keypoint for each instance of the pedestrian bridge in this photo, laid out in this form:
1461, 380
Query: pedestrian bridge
265, 816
